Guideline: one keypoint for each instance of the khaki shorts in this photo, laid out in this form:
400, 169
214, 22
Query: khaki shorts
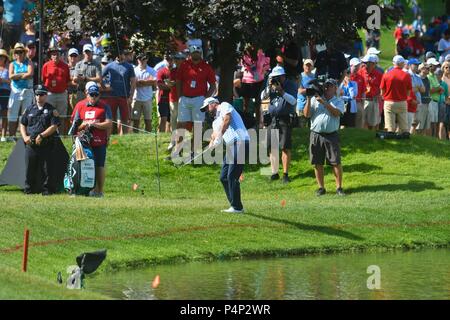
422, 117
396, 113
189, 109
141, 107
360, 114
433, 111
372, 112
18, 102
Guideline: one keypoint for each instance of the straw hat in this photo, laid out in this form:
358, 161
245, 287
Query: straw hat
20, 46
3, 53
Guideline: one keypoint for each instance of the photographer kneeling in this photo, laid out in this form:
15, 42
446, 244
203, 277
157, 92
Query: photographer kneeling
325, 113
283, 100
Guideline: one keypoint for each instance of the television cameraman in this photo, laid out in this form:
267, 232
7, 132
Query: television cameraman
325, 109
282, 94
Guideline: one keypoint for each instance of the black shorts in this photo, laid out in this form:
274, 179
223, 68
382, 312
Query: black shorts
4, 99
284, 134
164, 109
252, 90
99, 155
324, 147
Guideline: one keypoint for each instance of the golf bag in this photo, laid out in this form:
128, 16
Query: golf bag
80, 175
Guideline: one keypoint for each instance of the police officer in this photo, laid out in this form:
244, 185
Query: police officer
38, 127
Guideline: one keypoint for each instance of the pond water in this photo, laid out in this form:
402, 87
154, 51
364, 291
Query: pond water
422, 274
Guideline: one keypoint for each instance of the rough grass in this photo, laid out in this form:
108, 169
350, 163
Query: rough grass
398, 196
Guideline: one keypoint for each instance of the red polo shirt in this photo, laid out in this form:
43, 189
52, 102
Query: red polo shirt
372, 81
56, 76
195, 77
356, 77
396, 84
98, 113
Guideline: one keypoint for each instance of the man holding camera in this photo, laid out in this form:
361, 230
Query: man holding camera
282, 93
325, 113
38, 127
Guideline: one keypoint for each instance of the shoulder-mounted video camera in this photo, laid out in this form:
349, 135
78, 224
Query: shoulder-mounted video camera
317, 86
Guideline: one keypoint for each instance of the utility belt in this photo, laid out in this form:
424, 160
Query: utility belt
291, 120
46, 142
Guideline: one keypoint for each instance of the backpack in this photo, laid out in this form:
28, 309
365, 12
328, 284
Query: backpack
80, 175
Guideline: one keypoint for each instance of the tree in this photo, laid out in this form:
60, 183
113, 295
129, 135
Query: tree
226, 23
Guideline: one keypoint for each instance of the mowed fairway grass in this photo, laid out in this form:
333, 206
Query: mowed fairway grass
398, 197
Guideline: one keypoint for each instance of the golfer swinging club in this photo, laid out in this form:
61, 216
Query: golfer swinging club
229, 127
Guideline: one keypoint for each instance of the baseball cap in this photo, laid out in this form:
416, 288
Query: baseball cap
354, 62
193, 49
73, 51
413, 61
370, 58
405, 31
91, 84
373, 50
31, 43
88, 47
308, 61
207, 102
141, 56
277, 71
429, 55
331, 81
105, 59
447, 57
40, 89
433, 61
398, 59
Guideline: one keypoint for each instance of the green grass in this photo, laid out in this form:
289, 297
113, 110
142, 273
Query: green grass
398, 196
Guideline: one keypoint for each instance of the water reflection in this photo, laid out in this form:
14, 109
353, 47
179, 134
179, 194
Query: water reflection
404, 275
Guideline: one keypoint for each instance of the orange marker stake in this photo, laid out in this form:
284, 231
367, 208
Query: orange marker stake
283, 203
114, 142
155, 282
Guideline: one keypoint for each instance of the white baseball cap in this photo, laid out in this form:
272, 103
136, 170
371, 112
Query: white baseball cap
433, 61
193, 49
207, 102
354, 62
373, 50
90, 84
398, 59
370, 58
277, 71
88, 47
73, 51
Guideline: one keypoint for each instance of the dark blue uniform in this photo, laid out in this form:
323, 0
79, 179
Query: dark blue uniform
40, 175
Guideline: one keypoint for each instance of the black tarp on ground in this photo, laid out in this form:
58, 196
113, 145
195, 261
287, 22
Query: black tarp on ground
14, 172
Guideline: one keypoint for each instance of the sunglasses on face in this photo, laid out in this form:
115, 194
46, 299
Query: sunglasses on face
41, 94
73, 55
94, 95
20, 52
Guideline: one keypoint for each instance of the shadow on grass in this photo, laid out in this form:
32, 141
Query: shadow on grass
357, 167
414, 186
306, 227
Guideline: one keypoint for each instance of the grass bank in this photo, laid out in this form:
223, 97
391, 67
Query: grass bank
398, 196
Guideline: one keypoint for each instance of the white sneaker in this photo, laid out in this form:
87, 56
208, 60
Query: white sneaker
233, 210
3, 139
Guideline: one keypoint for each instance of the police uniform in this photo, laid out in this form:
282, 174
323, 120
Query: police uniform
40, 175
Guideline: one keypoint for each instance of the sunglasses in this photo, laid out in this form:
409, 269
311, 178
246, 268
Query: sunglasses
94, 95
41, 94
19, 52
74, 55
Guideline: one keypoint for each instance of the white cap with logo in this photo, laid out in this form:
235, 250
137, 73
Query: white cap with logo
370, 58
433, 61
354, 62
88, 47
373, 50
398, 59
277, 71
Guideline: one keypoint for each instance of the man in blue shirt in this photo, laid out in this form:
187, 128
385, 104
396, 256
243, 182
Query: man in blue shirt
325, 113
123, 84
12, 21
